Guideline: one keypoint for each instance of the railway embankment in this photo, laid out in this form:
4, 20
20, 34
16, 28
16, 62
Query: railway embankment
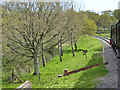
111, 79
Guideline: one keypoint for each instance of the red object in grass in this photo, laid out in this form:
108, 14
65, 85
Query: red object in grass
85, 68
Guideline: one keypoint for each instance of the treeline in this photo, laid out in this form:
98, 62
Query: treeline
105, 20
34, 32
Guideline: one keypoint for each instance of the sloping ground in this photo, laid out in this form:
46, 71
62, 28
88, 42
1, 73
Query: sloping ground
111, 80
83, 79
106, 35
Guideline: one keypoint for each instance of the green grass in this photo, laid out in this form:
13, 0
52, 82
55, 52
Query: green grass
83, 79
105, 35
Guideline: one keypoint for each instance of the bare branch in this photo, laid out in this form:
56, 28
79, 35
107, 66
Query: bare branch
19, 52
51, 38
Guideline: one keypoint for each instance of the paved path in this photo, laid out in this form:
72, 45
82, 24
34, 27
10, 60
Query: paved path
111, 79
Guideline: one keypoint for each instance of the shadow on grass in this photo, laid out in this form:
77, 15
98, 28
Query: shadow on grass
98, 49
79, 50
69, 51
96, 55
87, 79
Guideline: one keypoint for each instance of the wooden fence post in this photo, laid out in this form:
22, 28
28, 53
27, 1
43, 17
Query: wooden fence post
12, 74
84, 53
65, 72
39, 76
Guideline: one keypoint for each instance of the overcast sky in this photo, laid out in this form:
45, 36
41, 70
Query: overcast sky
94, 5
100, 5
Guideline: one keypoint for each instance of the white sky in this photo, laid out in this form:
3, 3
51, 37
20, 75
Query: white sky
94, 5
100, 5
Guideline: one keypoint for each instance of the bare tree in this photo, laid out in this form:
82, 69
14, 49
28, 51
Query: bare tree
32, 24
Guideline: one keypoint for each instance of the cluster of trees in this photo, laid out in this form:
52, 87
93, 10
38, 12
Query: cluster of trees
32, 29
35, 31
105, 20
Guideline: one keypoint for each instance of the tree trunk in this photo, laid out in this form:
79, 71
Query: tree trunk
59, 49
36, 65
75, 43
72, 44
43, 57
60, 54
60, 57
28, 68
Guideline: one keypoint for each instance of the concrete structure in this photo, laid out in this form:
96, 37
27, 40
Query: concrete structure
25, 85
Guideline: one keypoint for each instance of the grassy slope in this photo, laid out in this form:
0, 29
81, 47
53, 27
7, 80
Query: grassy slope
106, 35
83, 79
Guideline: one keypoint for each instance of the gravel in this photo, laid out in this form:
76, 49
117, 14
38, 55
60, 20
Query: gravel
111, 79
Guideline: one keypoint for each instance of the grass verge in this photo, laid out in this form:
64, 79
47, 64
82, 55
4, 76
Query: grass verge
105, 35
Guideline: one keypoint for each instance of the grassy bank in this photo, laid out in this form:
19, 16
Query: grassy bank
105, 35
83, 79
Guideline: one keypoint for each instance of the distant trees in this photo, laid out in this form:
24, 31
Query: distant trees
105, 20
108, 18
89, 22
94, 16
90, 27
116, 14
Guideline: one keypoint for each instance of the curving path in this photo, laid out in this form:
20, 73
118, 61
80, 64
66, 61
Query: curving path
111, 79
